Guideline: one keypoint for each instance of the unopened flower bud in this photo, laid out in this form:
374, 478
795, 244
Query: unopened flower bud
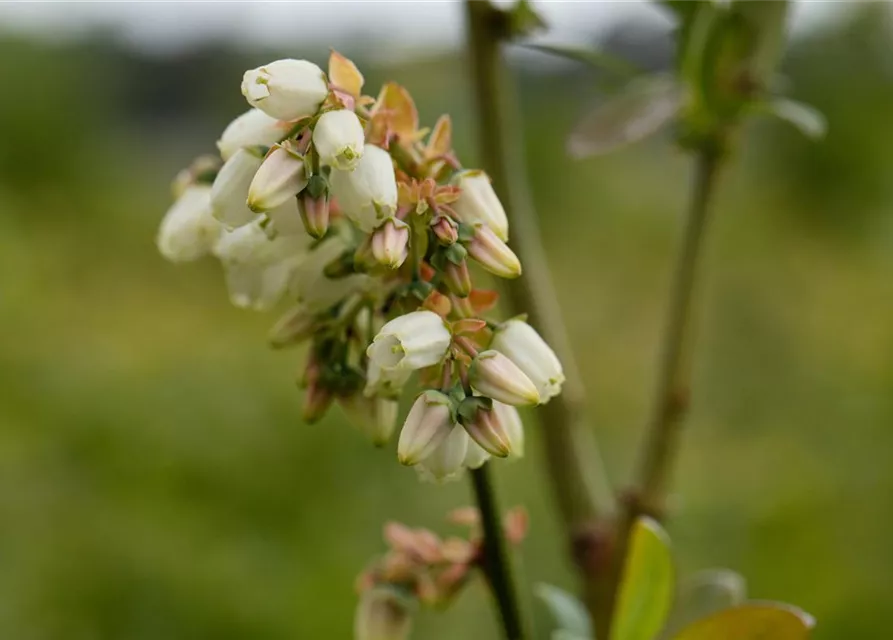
339, 139
317, 400
493, 254
286, 89
314, 213
446, 461
280, 178
387, 383
252, 128
526, 348
188, 230
511, 423
495, 376
390, 243
445, 229
429, 422
457, 278
382, 614
294, 327
412, 341
478, 203
230, 189
368, 194
485, 428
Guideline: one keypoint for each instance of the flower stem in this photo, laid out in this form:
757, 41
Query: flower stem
661, 446
496, 563
572, 457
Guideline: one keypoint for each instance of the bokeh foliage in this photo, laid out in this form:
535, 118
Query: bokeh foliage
157, 482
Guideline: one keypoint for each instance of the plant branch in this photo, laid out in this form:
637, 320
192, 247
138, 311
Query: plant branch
571, 454
496, 563
672, 395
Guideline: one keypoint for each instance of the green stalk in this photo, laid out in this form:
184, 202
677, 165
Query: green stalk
573, 461
496, 562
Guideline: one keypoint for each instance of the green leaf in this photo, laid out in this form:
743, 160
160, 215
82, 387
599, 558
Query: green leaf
591, 57
807, 119
646, 591
752, 621
640, 109
569, 613
703, 594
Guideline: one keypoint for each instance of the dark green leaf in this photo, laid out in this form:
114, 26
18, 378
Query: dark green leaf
637, 111
752, 621
569, 613
703, 594
646, 591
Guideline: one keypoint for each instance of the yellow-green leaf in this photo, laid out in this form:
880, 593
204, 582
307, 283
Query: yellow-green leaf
343, 73
703, 594
751, 621
403, 116
646, 592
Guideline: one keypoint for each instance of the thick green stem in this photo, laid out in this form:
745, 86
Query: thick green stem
672, 394
496, 562
572, 457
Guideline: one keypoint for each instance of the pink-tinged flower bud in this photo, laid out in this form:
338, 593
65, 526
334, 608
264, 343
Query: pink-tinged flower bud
339, 139
493, 254
429, 422
445, 462
375, 417
189, 230
457, 278
279, 179
486, 429
314, 214
390, 243
252, 128
286, 89
230, 189
383, 613
445, 229
510, 419
495, 376
412, 341
478, 203
368, 194
317, 400
294, 327
526, 348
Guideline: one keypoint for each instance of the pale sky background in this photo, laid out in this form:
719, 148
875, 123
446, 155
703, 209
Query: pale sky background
169, 27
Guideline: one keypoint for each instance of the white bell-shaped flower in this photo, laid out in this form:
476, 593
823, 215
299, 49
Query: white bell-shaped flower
229, 192
339, 139
286, 89
375, 417
258, 269
412, 341
252, 128
368, 194
478, 202
309, 284
278, 180
428, 424
511, 423
493, 375
526, 348
447, 461
286, 219
475, 457
189, 230
387, 383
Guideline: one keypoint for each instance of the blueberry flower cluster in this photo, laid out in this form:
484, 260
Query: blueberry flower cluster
370, 228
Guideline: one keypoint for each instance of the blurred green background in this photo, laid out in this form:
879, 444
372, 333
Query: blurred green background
155, 478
